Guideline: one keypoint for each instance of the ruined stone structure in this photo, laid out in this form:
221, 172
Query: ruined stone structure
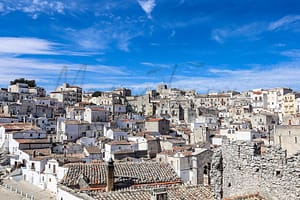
243, 168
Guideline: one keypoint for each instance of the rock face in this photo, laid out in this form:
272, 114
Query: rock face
241, 168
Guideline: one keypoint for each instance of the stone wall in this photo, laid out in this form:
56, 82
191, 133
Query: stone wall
241, 168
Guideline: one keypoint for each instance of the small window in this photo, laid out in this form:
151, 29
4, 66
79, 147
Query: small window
49, 179
296, 140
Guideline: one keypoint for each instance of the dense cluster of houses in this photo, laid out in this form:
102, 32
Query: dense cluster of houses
84, 146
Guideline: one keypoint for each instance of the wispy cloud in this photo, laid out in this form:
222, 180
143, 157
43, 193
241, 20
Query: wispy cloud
284, 22
253, 31
1, 7
101, 37
150, 64
47, 72
147, 6
186, 22
14, 45
35, 46
260, 77
249, 31
35, 7
293, 53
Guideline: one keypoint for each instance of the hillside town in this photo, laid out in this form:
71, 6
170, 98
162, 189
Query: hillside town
168, 143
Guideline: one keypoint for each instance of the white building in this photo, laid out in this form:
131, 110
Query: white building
192, 167
118, 146
259, 100
67, 94
18, 88
96, 114
246, 135
9, 133
116, 134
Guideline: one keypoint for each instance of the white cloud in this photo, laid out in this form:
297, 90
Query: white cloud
47, 72
1, 7
102, 36
254, 30
147, 6
35, 46
249, 31
284, 22
293, 53
280, 75
36, 7
155, 65
14, 45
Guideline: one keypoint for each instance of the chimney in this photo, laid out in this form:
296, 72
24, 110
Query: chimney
34, 153
65, 151
110, 176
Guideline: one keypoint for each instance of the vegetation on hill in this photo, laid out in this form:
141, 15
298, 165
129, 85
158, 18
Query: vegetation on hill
96, 94
31, 83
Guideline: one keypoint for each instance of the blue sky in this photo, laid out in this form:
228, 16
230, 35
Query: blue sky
207, 45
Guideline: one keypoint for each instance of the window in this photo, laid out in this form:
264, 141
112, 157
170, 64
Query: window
32, 166
296, 140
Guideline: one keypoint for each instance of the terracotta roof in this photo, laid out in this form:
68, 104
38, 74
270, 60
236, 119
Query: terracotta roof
42, 152
119, 142
93, 149
177, 192
74, 122
257, 92
154, 120
98, 109
14, 127
247, 197
139, 173
78, 108
33, 141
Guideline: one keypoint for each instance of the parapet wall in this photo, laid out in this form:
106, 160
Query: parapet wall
241, 168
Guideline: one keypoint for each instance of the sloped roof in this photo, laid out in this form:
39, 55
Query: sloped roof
173, 193
141, 173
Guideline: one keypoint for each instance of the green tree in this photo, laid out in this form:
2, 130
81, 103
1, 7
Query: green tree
31, 83
96, 94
